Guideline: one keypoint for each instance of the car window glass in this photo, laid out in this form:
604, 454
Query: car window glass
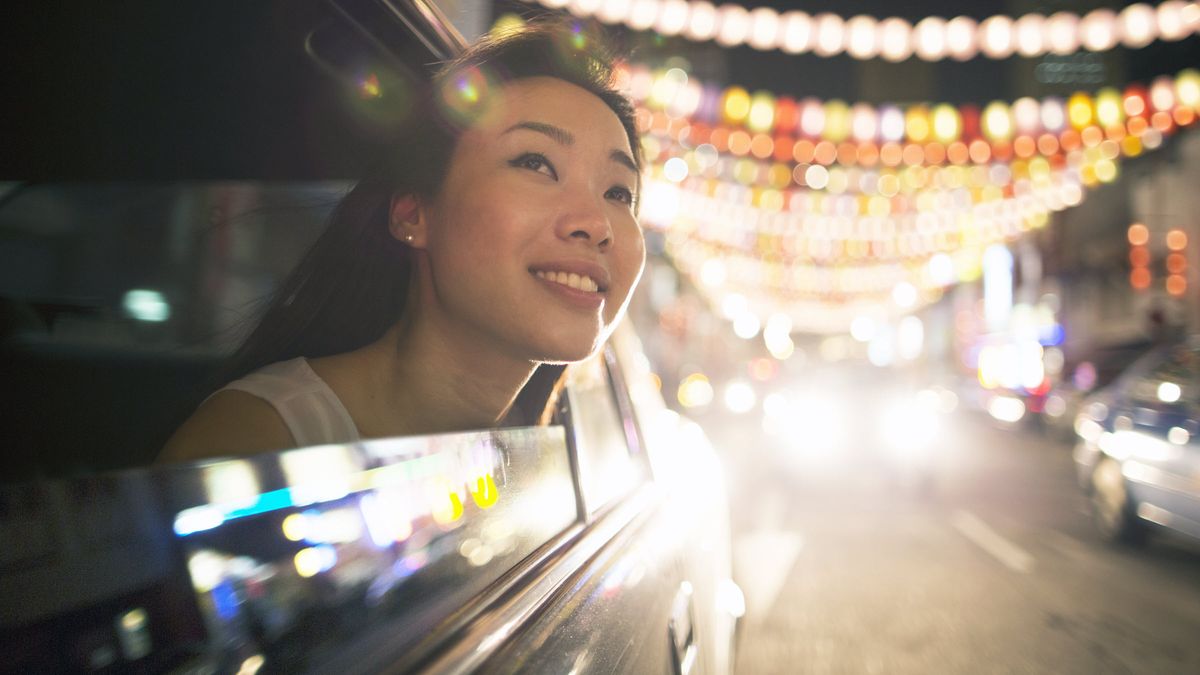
293, 561
146, 287
606, 468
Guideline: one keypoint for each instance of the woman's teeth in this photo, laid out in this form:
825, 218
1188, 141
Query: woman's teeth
570, 279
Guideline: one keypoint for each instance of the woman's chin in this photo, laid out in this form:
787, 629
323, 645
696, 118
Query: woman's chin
565, 351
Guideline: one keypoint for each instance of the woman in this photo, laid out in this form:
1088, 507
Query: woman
498, 238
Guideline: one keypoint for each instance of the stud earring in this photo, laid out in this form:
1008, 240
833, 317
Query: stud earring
408, 237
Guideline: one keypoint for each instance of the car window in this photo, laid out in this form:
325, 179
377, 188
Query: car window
289, 562
606, 467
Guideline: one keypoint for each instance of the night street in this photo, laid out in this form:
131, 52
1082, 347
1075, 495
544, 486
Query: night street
850, 568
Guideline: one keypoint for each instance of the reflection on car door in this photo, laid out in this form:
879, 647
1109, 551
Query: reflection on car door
631, 608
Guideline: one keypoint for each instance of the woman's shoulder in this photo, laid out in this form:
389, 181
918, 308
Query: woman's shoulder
238, 420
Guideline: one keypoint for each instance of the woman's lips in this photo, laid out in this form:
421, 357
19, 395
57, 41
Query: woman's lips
578, 297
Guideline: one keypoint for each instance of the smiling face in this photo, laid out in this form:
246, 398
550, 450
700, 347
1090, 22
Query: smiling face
532, 244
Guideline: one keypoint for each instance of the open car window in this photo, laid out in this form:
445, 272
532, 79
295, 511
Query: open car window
602, 438
325, 559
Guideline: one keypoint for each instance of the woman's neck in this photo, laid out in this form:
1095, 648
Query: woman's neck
430, 382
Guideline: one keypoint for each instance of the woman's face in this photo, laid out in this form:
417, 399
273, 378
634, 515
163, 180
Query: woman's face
532, 243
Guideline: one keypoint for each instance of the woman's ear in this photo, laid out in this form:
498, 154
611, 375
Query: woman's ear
406, 219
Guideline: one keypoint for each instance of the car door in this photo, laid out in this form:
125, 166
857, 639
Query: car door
643, 599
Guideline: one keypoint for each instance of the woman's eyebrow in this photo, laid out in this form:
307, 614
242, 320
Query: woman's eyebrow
564, 137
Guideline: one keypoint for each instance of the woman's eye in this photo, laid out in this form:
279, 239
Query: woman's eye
621, 194
535, 162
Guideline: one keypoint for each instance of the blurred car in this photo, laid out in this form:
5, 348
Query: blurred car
176, 161
1094, 371
1137, 455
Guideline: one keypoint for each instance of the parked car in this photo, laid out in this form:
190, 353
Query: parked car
173, 162
1138, 456
1082, 376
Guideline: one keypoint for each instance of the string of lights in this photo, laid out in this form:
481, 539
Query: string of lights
779, 211
895, 39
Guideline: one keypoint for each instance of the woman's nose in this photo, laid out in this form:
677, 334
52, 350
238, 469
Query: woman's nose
586, 220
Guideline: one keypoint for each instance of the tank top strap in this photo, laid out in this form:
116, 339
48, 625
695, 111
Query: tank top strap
311, 410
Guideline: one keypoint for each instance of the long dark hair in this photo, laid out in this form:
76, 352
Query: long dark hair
351, 286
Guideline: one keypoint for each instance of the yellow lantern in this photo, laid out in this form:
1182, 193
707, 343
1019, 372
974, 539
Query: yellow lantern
837, 121
947, 123
1080, 110
762, 112
735, 105
1109, 110
1187, 88
916, 123
997, 121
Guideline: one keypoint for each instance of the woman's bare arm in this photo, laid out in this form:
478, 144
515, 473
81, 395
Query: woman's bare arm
231, 423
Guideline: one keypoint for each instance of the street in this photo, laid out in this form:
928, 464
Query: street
992, 567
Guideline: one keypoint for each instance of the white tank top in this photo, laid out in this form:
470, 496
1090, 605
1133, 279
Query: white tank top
309, 408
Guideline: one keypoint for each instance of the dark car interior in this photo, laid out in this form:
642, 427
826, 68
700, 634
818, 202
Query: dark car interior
146, 93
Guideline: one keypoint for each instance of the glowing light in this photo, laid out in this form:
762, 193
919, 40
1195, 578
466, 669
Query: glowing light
369, 87
313, 560
916, 123
447, 508
1109, 111
1138, 234
1098, 30
797, 32
1187, 87
904, 295
695, 391
702, 21
941, 269
960, 38
746, 325
1140, 278
816, 177
675, 170
1079, 110
764, 28
740, 397
712, 274
295, 527
736, 105
1169, 392
997, 121
1054, 116
862, 328
895, 41
1062, 33
762, 112
733, 25
930, 38
1138, 25
861, 37
1029, 29
996, 36
146, 305
206, 569
1006, 408
830, 33
1178, 436
1177, 240
672, 18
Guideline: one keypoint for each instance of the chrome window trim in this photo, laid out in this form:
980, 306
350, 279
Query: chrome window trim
511, 605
